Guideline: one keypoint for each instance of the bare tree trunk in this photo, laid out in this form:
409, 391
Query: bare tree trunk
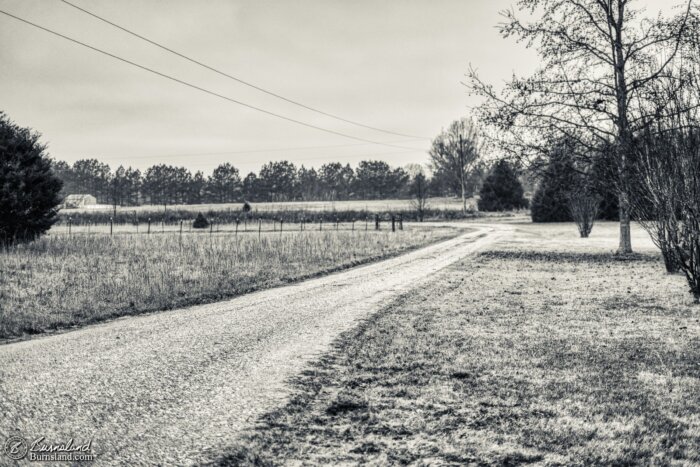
624, 136
625, 246
461, 173
625, 232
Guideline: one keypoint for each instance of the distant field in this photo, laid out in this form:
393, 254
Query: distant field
370, 205
61, 280
135, 218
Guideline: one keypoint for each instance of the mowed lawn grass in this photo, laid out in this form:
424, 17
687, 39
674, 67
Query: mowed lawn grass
540, 351
60, 281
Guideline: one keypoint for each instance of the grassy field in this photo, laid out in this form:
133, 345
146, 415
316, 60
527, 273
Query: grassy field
136, 217
381, 205
546, 350
60, 280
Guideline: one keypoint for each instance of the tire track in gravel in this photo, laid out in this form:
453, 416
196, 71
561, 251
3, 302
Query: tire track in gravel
177, 387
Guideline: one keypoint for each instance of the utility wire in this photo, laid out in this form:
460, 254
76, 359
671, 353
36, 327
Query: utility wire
302, 159
253, 151
239, 80
185, 83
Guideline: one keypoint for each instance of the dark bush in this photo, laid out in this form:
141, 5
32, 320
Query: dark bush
550, 202
609, 209
200, 222
29, 189
502, 190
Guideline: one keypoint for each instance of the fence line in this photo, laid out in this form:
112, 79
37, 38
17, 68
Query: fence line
70, 227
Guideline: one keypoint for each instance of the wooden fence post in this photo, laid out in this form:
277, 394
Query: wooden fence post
393, 223
111, 225
237, 221
69, 226
376, 222
400, 221
149, 226
281, 224
180, 227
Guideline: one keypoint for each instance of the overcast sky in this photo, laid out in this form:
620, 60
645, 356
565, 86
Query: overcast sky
396, 65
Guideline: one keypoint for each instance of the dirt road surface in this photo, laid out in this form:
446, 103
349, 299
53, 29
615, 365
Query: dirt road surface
177, 387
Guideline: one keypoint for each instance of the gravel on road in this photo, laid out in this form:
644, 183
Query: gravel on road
177, 387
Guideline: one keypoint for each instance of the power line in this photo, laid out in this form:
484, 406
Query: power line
239, 80
296, 160
194, 86
253, 151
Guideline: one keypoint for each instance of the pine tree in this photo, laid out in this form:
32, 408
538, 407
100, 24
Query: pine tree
29, 189
200, 222
502, 190
550, 202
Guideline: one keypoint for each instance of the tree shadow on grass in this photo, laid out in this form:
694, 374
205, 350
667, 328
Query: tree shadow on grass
569, 257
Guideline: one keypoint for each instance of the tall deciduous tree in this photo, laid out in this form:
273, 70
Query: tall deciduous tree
455, 152
596, 67
418, 189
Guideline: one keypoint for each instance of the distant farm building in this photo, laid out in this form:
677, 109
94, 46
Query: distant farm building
79, 201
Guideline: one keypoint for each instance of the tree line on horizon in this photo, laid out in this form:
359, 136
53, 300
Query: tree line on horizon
276, 181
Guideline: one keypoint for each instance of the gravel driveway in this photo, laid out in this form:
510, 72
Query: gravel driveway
176, 387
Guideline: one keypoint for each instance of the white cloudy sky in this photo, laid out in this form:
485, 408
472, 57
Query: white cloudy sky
394, 64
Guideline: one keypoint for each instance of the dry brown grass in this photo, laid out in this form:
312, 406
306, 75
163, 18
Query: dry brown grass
60, 281
542, 351
375, 205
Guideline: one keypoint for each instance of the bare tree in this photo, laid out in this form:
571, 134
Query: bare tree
419, 193
666, 192
654, 201
583, 206
595, 64
669, 183
455, 151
